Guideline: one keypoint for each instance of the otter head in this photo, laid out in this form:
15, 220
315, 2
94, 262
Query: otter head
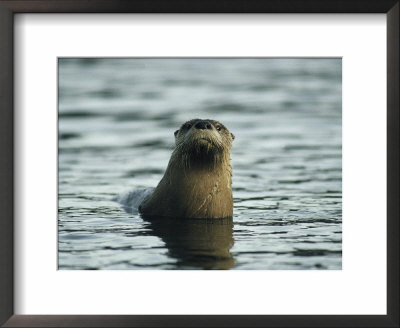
203, 141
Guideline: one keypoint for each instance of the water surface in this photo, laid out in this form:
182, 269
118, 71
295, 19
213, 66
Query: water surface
116, 124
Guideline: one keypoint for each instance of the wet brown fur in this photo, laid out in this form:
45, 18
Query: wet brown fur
198, 180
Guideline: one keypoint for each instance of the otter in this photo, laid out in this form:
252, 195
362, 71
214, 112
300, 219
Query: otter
197, 183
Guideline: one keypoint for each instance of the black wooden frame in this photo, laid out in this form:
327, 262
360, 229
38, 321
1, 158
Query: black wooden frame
7, 10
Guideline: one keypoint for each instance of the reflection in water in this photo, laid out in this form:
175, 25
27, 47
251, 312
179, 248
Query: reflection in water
196, 243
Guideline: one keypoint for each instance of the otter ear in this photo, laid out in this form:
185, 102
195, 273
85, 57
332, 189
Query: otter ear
233, 136
176, 132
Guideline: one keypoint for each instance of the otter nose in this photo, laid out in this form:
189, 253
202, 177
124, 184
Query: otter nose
203, 125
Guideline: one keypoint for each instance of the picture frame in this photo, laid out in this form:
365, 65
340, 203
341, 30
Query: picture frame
7, 10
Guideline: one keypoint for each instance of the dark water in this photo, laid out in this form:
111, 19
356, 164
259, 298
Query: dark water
116, 124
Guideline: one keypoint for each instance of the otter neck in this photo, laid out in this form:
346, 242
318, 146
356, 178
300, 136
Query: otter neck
203, 189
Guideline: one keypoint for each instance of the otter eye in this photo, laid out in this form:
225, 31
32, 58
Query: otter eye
218, 127
188, 126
